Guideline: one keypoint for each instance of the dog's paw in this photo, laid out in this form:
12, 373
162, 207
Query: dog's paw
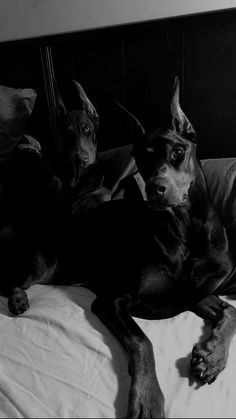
146, 402
209, 359
18, 301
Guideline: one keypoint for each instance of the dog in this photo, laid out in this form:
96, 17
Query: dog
151, 259
83, 171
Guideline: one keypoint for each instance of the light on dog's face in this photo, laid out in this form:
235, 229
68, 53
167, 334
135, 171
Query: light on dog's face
167, 165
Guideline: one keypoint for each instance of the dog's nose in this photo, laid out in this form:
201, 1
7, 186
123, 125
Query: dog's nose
161, 189
157, 188
81, 159
85, 159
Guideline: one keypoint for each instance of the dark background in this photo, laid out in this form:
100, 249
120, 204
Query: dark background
136, 64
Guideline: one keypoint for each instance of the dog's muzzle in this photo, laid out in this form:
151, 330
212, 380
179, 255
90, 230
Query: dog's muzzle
157, 189
157, 192
161, 193
84, 162
80, 163
84, 159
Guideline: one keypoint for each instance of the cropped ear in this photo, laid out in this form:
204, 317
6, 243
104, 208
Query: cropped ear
86, 104
61, 111
139, 134
180, 123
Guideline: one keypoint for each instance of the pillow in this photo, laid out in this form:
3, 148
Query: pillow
221, 178
16, 106
30, 144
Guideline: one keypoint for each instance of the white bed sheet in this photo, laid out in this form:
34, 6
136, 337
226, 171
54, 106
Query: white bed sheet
58, 360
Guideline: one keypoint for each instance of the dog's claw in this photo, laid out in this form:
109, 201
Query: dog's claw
212, 380
18, 301
195, 361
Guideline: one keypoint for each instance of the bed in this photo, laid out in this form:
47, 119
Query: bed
57, 360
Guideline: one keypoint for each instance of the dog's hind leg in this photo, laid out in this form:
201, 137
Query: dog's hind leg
209, 357
145, 396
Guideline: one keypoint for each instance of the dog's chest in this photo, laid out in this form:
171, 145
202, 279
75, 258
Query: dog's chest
166, 260
136, 250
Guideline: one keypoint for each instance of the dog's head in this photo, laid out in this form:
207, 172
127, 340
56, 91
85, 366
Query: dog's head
78, 131
166, 158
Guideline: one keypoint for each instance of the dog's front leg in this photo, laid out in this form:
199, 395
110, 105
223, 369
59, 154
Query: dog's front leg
145, 396
209, 357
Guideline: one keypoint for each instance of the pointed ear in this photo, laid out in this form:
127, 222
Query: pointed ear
138, 131
180, 123
60, 107
86, 103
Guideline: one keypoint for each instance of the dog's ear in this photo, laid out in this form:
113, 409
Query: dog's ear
139, 134
180, 123
61, 111
86, 104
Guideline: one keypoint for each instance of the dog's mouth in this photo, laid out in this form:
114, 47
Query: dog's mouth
78, 170
156, 203
85, 163
162, 193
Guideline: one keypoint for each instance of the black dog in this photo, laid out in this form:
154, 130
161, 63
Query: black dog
150, 259
82, 170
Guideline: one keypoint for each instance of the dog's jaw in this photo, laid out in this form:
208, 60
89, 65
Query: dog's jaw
165, 205
173, 196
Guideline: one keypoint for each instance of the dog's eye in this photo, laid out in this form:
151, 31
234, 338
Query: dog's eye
86, 129
177, 153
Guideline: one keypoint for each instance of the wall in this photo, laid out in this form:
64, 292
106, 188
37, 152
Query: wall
32, 18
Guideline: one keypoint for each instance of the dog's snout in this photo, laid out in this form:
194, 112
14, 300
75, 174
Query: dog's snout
157, 187
85, 159
81, 158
